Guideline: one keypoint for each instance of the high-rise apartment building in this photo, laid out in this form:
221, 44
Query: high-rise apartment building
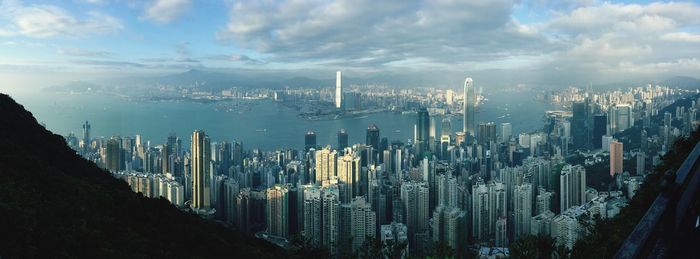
362, 222
348, 173
326, 159
277, 211
201, 171
616, 152
523, 209
572, 186
414, 196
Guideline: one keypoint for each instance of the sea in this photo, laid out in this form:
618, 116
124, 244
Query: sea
262, 124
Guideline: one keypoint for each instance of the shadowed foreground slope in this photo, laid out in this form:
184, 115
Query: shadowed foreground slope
55, 204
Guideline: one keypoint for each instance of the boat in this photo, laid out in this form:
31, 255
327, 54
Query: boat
261, 130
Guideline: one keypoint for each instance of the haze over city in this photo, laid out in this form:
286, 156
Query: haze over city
433, 43
349, 129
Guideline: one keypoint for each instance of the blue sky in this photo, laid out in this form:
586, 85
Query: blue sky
530, 40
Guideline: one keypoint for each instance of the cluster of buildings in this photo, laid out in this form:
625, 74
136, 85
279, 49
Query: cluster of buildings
477, 188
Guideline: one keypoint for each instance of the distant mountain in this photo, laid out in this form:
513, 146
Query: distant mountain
684, 82
55, 204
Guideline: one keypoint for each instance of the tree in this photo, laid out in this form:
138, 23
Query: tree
442, 250
535, 247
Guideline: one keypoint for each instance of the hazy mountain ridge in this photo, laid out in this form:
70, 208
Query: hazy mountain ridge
214, 80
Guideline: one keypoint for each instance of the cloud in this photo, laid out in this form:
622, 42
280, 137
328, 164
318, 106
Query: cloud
681, 37
93, 1
622, 40
45, 21
371, 33
586, 37
108, 63
183, 49
78, 52
166, 11
237, 58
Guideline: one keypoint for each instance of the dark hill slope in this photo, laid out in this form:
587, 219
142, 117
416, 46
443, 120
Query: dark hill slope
54, 204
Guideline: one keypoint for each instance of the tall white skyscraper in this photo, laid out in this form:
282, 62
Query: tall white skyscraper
469, 107
338, 90
201, 171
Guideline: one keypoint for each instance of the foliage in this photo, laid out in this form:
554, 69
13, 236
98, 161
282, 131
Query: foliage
54, 204
541, 247
606, 235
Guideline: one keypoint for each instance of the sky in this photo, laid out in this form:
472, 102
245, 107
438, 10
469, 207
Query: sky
533, 42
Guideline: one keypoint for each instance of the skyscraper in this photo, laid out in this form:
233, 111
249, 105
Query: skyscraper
113, 155
488, 205
372, 140
600, 122
86, 133
342, 139
523, 209
445, 138
480, 210
486, 133
349, 174
578, 125
506, 131
450, 227
373, 136
502, 232
277, 211
330, 218
362, 222
325, 164
641, 163
447, 195
414, 196
338, 90
616, 151
313, 208
423, 133
469, 107
309, 140
622, 118
572, 186
201, 170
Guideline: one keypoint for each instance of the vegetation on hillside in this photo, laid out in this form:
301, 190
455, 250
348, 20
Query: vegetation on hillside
54, 204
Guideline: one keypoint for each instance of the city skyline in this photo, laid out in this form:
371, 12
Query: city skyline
349, 129
522, 184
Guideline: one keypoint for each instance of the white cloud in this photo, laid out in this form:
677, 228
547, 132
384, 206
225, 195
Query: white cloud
681, 37
379, 33
166, 11
94, 1
44, 21
579, 38
78, 52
